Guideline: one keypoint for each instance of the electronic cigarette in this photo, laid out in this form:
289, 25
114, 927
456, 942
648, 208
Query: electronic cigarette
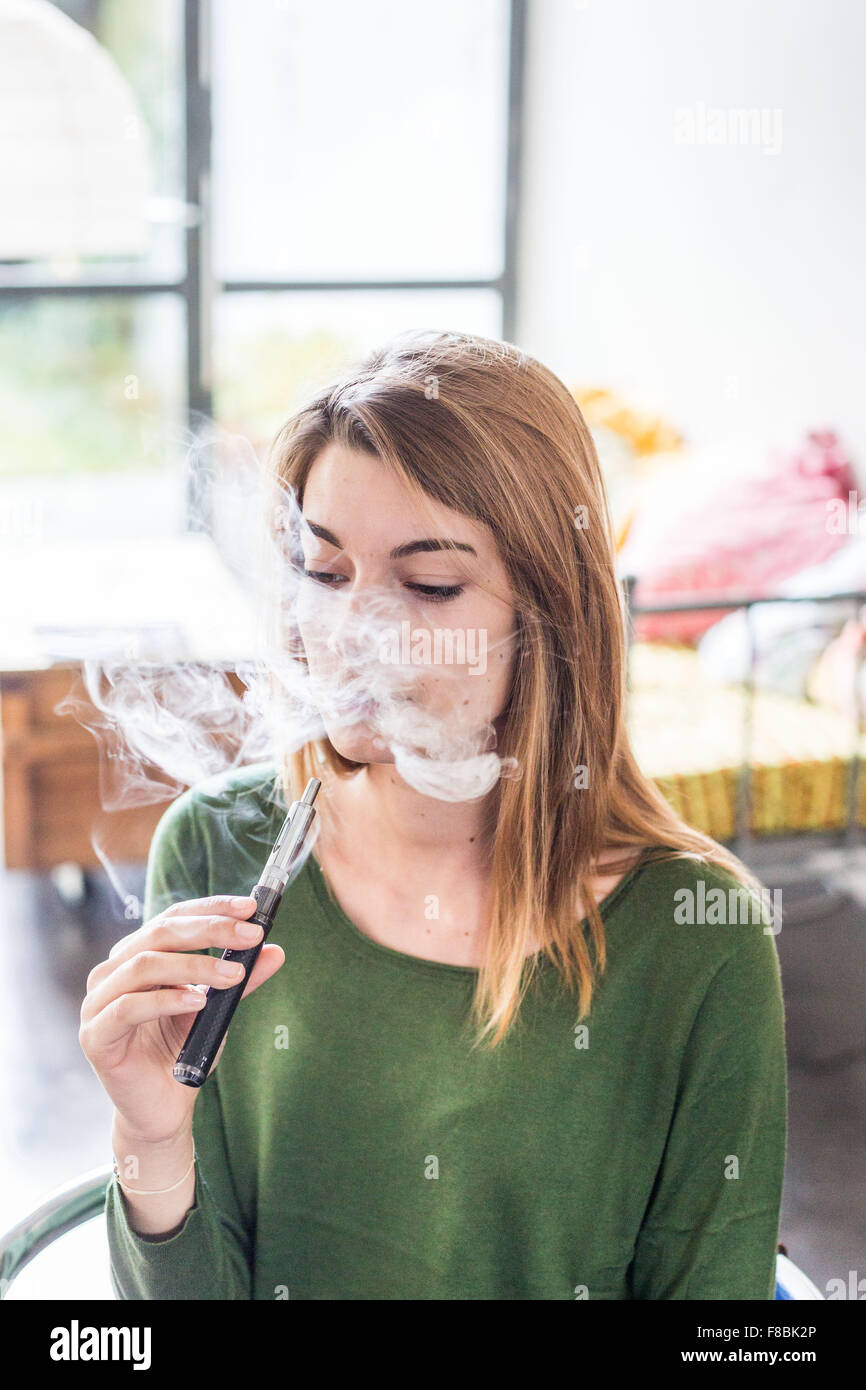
196, 1057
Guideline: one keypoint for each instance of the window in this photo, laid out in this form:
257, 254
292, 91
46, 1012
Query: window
323, 175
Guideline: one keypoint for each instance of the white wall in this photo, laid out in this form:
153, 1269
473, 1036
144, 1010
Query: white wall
720, 283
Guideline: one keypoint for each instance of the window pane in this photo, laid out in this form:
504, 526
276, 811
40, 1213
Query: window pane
359, 140
272, 349
146, 43
91, 414
275, 349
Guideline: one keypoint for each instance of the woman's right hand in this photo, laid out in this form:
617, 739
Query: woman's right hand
136, 1013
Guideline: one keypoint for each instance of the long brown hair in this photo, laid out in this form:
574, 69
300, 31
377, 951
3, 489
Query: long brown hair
490, 432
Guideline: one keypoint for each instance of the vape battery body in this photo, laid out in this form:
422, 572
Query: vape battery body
208, 1030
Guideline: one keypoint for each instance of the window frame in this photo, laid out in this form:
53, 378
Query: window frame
199, 287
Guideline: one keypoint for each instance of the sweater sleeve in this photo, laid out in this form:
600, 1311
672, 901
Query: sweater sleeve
710, 1230
209, 1256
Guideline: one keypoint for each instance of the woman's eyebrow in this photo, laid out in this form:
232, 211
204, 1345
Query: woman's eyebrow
408, 548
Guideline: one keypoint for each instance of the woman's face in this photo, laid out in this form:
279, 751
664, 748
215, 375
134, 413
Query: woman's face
404, 641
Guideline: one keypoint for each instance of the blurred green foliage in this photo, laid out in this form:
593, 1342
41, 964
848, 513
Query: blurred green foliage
70, 397
262, 375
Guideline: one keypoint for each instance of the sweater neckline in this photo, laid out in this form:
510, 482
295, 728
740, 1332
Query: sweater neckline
342, 923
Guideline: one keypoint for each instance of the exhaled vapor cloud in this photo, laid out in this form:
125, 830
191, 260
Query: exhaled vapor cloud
162, 726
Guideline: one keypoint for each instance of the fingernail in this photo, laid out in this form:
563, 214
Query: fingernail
230, 967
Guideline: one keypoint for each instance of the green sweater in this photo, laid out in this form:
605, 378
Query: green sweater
351, 1146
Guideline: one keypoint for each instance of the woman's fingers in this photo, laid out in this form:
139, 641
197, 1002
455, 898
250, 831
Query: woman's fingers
126, 1009
178, 932
271, 957
151, 969
223, 911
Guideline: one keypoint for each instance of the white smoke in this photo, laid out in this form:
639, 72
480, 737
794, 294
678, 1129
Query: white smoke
165, 725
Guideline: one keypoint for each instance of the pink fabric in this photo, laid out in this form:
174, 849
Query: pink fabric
743, 540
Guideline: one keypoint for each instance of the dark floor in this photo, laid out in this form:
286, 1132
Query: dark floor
57, 1118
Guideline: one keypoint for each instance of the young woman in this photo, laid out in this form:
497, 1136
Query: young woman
494, 1057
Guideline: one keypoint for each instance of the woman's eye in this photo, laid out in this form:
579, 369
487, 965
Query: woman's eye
323, 576
437, 593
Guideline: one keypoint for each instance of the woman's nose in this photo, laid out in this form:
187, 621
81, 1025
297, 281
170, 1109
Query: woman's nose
356, 620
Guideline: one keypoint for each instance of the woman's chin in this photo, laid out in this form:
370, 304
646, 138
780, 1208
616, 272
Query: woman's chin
360, 743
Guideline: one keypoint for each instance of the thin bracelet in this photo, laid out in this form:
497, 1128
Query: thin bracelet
155, 1192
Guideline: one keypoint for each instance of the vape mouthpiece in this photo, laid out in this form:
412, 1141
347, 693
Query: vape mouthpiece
295, 827
311, 791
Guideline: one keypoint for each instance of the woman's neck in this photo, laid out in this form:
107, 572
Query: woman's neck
412, 872
408, 829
